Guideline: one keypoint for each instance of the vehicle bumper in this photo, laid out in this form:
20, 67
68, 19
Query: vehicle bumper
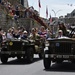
12, 52
55, 56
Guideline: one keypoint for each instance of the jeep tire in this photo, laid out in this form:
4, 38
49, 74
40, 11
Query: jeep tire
4, 58
30, 55
46, 61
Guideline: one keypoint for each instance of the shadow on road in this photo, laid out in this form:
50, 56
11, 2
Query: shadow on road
20, 62
63, 67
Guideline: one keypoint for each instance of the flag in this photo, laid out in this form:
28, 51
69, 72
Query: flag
39, 3
46, 12
50, 19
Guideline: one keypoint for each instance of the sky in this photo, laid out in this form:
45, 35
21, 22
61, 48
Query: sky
60, 7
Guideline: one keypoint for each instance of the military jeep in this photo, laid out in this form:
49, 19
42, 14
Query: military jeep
59, 49
21, 49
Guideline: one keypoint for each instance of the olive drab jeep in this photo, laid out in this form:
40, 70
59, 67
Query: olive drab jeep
59, 49
21, 49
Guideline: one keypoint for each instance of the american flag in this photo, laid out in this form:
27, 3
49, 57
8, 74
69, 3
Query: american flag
46, 12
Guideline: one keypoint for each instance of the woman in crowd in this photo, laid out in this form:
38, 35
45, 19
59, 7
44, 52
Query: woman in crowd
63, 28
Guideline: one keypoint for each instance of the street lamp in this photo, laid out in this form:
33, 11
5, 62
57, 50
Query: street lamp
55, 12
53, 26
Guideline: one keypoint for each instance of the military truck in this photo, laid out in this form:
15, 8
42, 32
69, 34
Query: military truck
21, 49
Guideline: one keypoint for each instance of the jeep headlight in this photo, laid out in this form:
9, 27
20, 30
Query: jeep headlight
23, 43
6, 43
47, 44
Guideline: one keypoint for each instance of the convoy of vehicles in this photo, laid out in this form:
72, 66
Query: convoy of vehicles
59, 49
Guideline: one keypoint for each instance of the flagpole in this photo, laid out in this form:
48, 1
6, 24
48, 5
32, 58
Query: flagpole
46, 11
39, 11
39, 4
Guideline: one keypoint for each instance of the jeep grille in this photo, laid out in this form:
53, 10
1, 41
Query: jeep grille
16, 46
61, 48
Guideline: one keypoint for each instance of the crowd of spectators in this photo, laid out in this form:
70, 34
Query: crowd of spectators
14, 13
13, 10
35, 33
21, 33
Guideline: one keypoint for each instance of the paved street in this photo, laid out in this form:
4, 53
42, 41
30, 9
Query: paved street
21, 67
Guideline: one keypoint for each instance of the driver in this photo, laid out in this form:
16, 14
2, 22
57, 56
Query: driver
60, 34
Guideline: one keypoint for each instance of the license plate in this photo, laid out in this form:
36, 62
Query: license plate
46, 55
65, 56
59, 56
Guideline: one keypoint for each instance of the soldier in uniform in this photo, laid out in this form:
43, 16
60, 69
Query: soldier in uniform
34, 35
36, 38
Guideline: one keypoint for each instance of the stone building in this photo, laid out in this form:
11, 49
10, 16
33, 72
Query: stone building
70, 18
24, 3
7, 21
